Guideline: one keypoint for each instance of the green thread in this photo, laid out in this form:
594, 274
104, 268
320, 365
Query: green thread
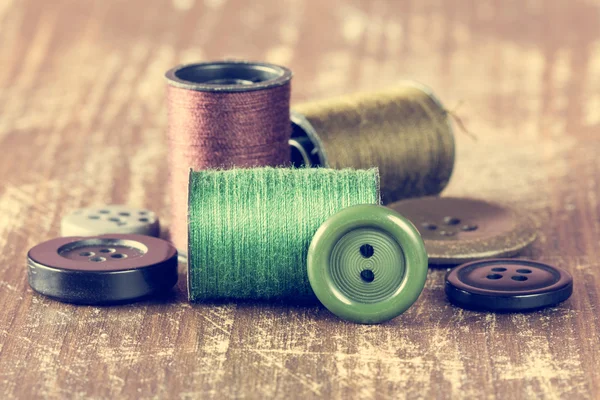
250, 229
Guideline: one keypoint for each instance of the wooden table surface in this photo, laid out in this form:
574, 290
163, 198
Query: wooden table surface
83, 122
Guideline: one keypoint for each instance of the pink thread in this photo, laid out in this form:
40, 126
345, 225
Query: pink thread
222, 130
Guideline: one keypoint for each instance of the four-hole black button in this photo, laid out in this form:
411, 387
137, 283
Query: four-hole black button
507, 285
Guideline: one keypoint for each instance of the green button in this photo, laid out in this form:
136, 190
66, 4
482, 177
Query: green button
367, 264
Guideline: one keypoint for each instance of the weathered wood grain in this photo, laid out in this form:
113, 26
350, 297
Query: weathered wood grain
83, 121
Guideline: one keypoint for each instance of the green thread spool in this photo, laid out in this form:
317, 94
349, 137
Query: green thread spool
250, 229
404, 131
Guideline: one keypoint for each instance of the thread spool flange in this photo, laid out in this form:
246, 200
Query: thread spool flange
228, 76
306, 147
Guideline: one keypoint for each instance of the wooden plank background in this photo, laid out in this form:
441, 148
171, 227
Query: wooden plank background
83, 121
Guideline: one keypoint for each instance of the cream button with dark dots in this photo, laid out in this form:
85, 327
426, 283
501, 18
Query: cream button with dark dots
458, 230
110, 219
507, 285
102, 269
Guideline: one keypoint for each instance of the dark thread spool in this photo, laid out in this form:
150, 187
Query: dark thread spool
405, 132
224, 114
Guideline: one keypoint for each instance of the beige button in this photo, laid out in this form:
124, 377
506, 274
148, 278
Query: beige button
110, 219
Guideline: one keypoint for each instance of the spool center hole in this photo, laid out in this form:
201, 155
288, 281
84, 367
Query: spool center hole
228, 73
367, 275
230, 81
366, 250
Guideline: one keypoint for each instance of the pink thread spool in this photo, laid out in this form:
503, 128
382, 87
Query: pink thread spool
223, 115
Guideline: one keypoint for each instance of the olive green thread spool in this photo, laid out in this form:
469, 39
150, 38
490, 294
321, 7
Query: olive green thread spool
404, 131
250, 232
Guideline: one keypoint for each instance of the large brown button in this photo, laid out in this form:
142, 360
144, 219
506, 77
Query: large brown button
507, 285
102, 269
458, 230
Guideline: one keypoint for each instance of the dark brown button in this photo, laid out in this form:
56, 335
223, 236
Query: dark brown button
507, 285
457, 230
102, 269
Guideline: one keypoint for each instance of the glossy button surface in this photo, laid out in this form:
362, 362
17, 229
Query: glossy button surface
367, 264
102, 269
457, 230
507, 285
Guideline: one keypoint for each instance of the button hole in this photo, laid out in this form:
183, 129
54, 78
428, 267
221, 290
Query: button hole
451, 221
367, 251
367, 275
469, 228
520, 278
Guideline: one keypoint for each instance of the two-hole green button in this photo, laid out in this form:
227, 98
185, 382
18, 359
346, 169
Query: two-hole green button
367, 264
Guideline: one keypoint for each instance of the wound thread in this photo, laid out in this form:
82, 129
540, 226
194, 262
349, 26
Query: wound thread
221, 115
250, 229
404, 131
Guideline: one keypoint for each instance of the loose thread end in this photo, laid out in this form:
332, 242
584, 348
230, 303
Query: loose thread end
458, 120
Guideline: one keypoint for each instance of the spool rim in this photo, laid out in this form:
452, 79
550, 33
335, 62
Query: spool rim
301, 122
296, 147
327, 288
228, 76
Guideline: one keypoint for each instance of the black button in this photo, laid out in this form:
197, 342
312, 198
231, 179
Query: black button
458, 230
507, 285
102, 269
